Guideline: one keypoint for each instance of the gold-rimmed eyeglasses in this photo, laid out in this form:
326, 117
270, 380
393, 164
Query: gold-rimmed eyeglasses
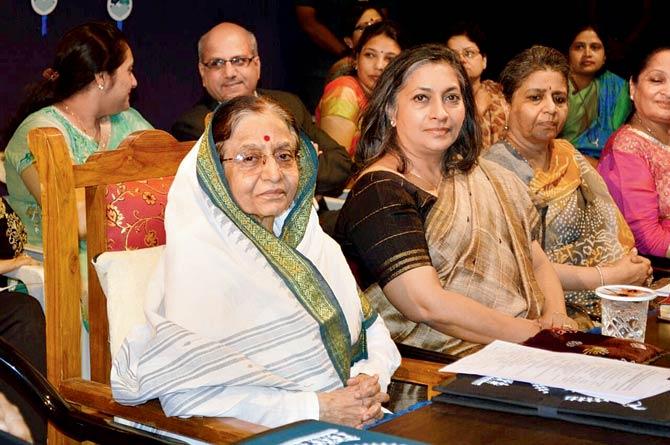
252, 161
237, 62
467, 53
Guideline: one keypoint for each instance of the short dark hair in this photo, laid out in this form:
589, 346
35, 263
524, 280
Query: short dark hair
386, 28
379, 137
81, 53
528, 61
229, 113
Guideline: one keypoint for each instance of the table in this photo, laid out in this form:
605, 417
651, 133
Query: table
441, 423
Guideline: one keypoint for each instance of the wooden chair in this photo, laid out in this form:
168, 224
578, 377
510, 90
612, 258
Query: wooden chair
422, 367
145, 154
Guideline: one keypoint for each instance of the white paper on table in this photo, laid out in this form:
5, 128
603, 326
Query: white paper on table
614, 380
663, 291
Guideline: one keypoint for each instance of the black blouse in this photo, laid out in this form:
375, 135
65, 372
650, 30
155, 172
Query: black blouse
12, 235
381, 227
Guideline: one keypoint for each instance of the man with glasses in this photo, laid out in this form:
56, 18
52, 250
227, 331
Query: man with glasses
229, 66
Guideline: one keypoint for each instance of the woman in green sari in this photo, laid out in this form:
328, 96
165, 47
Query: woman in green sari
598, 100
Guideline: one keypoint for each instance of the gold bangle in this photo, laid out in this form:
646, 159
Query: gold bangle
602, 278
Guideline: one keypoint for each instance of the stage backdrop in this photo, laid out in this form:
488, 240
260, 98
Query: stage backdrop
163, 36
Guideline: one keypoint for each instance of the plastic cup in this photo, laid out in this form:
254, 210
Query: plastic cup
624, 310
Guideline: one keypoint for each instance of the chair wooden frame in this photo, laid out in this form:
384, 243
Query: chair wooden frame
143, 155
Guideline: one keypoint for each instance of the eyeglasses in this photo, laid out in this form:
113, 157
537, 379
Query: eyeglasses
468, 53
237, 62
252, 161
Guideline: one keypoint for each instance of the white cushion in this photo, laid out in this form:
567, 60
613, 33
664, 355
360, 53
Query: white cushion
336, 203
124, 277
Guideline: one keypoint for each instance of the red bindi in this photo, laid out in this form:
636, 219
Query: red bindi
266, 138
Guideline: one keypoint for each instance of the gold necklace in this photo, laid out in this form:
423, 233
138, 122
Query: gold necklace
78, 122
432, 186
649, 130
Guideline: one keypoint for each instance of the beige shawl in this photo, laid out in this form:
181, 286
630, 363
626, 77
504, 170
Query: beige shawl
479, 234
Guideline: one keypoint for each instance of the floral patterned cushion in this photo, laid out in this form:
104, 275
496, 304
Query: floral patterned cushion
560, 340
135, 213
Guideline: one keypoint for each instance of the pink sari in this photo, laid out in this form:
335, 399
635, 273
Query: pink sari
636, 169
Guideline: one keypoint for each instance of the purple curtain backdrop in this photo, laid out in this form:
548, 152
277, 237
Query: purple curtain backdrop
163, 36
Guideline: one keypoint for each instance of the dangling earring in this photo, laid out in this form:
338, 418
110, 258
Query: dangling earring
101, 87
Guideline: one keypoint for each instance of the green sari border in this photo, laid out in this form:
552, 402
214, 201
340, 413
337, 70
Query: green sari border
297, 271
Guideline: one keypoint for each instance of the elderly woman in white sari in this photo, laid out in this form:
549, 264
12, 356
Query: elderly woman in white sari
254, 313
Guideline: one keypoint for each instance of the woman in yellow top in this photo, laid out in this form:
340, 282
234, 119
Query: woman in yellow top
345, 98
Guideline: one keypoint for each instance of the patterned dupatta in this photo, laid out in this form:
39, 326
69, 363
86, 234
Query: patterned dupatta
575, 196
581, 224
596, 112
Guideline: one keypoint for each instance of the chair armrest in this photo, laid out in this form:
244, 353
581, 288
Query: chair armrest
421, 372
98, 397
422, 367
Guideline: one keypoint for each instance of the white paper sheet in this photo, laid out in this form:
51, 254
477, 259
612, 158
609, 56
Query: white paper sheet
663, 291
613, 380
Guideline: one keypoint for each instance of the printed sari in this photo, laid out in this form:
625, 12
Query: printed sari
581, 224
345, 98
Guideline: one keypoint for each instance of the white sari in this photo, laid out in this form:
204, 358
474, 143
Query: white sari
244, 323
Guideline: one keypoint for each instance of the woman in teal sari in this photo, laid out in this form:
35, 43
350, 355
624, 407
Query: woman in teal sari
598, 100
85, 94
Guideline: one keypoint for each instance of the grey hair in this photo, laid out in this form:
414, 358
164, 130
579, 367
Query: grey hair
250, 35
230, 113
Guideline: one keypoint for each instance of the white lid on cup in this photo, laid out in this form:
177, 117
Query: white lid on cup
625, 292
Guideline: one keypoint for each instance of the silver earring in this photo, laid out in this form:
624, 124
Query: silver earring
101, 87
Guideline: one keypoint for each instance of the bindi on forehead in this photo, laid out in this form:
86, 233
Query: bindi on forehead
266, 138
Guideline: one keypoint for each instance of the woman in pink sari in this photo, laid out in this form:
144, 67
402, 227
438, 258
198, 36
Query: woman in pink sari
636, 160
